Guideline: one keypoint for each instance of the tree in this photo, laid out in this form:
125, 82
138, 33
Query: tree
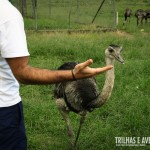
34, 5
23, 7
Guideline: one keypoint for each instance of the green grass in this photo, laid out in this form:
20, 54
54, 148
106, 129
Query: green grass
66, 14
126, 114
56, 15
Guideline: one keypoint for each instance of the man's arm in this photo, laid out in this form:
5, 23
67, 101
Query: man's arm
26, 74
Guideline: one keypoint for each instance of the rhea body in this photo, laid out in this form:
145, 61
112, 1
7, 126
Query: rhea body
127, 15
83, 96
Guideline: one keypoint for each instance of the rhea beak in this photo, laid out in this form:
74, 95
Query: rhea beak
120, 59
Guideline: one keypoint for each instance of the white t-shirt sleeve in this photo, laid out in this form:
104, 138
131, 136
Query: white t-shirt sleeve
13, 39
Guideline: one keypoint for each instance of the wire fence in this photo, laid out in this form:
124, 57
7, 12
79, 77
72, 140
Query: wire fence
67, 14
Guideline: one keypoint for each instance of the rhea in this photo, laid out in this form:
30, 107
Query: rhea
83, 96
140, 14
127, 15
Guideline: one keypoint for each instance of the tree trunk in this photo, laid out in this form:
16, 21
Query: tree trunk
34, 4
23, 7
34, 12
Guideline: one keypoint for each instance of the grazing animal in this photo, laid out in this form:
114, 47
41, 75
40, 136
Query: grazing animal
147, 15
83, 96
140, 14
127, 15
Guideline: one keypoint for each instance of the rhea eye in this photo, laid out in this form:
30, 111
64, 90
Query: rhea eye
111, 50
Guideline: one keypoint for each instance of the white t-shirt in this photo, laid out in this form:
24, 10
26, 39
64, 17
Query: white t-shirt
12, 44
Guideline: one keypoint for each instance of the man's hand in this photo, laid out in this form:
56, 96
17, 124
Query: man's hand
83, 70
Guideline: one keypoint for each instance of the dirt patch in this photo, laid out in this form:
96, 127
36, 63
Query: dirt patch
122, 33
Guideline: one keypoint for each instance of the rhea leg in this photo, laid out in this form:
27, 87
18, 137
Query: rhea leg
64, 111
82, 119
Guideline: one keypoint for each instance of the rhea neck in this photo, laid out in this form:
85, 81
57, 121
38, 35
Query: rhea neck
109, 81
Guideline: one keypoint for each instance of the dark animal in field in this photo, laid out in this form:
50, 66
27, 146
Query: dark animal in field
83, 96
140, 14
147, 15
127, 15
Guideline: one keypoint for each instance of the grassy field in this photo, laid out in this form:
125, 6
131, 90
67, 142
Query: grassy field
126, 114
54, 14
70, 14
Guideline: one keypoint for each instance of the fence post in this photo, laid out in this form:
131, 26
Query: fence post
50, 8
98, 10
115, 16
77, 11
36, 15
35, 11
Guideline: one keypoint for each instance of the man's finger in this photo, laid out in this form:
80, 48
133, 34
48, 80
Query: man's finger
84, 64
103, 69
